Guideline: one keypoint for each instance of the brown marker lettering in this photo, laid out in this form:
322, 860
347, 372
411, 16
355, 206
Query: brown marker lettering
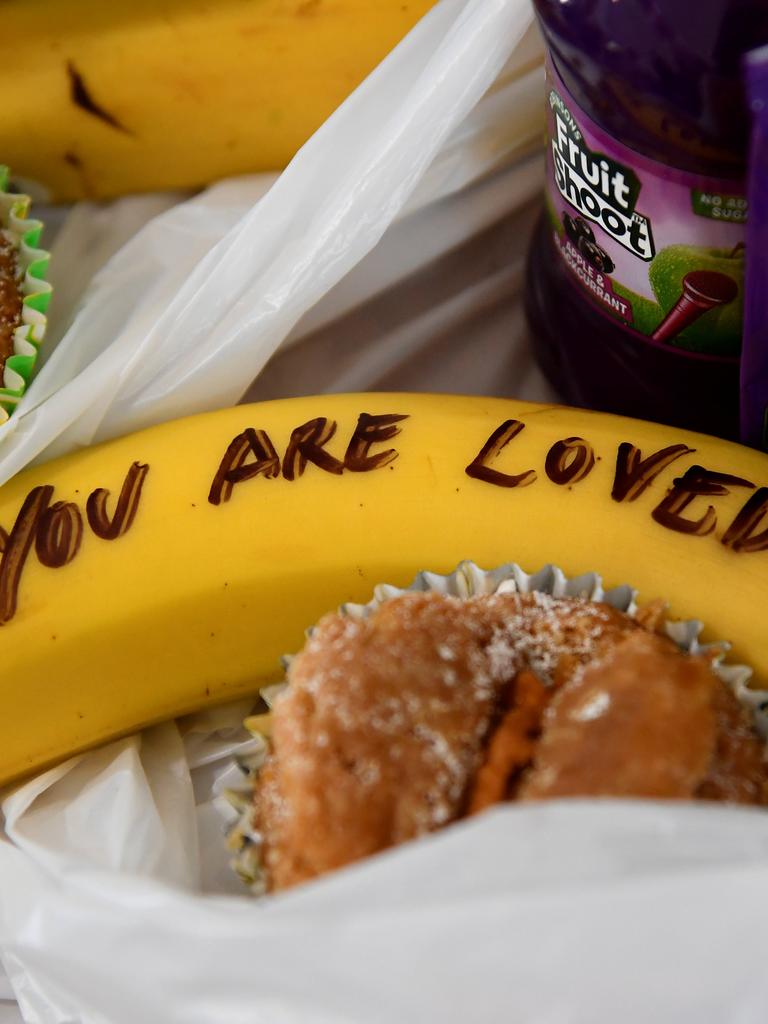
741, 535
372, 430
307, 445
18, 546
498, 440
59, 534
234, 468
634, 473
569, 461
110, 528
695, 482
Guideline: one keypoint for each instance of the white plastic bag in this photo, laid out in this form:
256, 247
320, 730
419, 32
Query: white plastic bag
569, 913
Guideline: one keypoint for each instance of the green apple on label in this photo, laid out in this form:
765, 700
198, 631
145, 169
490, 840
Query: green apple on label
718, 331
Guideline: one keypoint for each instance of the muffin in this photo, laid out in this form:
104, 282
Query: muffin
434, 707
24, 294
10, 297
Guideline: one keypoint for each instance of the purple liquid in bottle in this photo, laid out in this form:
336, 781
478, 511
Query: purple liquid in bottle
636, 273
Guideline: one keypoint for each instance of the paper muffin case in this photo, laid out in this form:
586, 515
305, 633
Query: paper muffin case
468, 580
24, 234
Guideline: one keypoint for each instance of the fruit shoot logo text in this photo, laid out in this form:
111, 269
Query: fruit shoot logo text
599, 188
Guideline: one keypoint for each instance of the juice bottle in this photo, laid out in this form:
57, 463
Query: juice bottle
636, 273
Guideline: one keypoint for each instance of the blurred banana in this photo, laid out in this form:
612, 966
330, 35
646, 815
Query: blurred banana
104, 99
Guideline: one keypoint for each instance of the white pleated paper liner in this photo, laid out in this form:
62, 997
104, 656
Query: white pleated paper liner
23, 233
468, 580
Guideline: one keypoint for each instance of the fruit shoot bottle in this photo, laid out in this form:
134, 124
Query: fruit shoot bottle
636, 273
754, 356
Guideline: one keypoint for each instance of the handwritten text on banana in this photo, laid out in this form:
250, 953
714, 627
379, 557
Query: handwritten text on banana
55, 529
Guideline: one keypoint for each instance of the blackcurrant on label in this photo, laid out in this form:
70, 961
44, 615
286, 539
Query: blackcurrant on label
657, 249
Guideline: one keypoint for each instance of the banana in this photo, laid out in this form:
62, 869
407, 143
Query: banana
170, 569
103, 99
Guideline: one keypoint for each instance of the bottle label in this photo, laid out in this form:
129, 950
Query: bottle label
660, 251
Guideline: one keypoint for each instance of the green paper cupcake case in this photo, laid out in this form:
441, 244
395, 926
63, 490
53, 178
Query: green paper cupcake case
24, 234
235, 803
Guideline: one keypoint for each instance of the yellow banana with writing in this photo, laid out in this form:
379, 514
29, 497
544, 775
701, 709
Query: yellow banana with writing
170, 569
101, 99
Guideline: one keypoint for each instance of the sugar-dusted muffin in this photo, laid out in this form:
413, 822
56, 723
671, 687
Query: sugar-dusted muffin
10, 297
434, 708
24, 294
